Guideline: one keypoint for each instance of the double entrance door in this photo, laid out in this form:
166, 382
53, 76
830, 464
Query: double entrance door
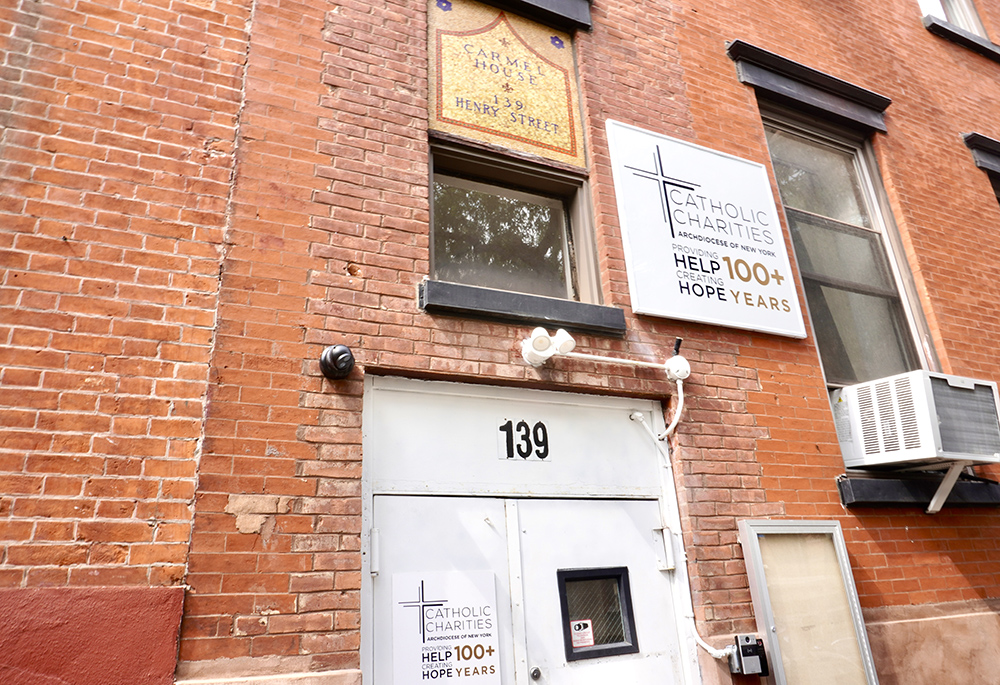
578, 595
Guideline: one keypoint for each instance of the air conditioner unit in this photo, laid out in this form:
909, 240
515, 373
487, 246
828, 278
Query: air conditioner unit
917, 418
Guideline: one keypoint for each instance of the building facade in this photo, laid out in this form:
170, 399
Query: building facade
209, 208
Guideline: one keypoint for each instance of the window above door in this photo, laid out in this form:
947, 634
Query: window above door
497, 237
513, 240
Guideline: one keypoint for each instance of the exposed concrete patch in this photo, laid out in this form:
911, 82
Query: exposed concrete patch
253, 511
87, 635
940, 644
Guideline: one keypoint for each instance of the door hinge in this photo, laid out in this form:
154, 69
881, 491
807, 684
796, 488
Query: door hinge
665, 538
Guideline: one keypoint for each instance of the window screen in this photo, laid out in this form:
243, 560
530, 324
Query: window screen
597, 613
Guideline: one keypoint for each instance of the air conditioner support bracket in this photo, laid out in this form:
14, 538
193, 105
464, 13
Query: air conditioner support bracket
950, 478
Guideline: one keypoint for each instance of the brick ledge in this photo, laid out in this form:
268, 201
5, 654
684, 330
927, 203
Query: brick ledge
351, 677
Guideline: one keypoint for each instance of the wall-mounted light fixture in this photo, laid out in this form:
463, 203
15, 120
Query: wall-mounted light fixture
336, 362
539, 347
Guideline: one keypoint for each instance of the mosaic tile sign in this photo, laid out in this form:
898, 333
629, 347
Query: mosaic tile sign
502, 79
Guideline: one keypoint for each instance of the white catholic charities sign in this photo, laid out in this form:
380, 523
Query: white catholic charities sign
701, 234
444, 628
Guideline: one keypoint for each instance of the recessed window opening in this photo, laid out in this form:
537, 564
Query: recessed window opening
511, 225
859, 317
496, 237
597, 613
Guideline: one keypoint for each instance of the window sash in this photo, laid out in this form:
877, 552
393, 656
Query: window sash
860, 336
860, 320
882, 271
521, 255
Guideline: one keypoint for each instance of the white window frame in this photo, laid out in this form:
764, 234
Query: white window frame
876, 203
961, 13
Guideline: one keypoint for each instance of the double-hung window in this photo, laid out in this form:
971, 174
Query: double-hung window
858, 314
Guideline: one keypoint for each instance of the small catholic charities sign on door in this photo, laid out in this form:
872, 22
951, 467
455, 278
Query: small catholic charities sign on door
701, 234
444, 628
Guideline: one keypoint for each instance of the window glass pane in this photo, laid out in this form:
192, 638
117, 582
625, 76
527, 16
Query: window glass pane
857, 313
598, 601
860, 337
824, 249
812, 614
490, 237
817, 178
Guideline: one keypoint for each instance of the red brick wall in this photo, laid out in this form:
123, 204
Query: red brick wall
288, 585
943, 205
115, 156
139, 159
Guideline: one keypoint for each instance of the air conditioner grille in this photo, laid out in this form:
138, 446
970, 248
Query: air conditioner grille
887, 417
907, 413
869, 429
967, 418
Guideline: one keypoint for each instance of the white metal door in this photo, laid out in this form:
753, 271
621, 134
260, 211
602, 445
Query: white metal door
437, 535
593, 534
523, 543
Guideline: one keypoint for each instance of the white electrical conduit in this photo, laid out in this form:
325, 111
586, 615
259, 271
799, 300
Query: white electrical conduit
613, 360
665, 462
539, 347
677, 416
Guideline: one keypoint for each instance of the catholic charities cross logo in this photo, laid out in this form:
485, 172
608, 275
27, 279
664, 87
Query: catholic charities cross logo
421, 603
664, 183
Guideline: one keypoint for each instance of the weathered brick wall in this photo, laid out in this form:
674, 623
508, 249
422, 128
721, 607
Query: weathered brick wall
116, 138
943, 205
329, 242
329, 234
123, 165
